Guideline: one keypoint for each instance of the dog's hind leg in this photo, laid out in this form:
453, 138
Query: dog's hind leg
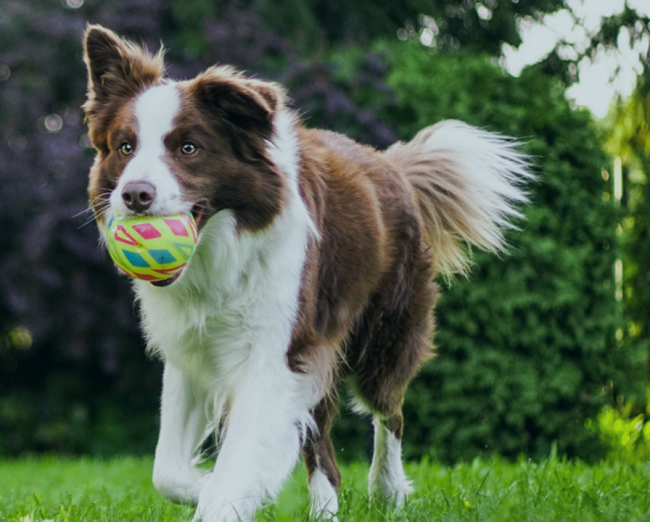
183, 426
391, 342
387, 478
320, 460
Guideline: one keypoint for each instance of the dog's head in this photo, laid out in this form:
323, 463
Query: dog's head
166, 147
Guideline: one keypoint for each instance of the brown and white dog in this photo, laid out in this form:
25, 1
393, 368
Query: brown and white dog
315, 263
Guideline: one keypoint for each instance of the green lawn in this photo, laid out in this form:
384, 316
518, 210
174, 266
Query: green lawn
120, 490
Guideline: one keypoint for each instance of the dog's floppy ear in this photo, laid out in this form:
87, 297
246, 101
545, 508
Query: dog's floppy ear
116, 68
247, 106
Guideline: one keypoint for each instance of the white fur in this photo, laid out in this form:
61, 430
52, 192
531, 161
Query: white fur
283, 150
324, 499
183, 428
155, 110
226, 324
387, 477
493, 172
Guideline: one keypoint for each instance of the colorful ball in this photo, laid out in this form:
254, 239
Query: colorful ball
152, 248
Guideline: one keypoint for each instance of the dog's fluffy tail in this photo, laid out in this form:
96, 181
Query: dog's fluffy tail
467, 183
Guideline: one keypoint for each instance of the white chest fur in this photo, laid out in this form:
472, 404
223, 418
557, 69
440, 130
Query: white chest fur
235, 305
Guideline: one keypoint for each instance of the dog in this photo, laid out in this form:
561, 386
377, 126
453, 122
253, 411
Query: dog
315, 264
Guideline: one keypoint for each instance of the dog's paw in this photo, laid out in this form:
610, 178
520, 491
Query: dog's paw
324, 499
392, 491
182, 488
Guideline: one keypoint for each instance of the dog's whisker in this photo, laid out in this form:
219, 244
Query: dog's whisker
84, 211
101, 212
101, 198
85, 224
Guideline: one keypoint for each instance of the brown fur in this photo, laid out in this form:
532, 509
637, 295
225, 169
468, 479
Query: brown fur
230, 122
117, 71
367, 290
318, 450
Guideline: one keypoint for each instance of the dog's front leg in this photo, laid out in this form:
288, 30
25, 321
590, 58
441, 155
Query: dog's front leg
260, 448
183, 424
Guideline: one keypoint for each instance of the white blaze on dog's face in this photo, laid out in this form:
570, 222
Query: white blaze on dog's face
154, 113
168, 147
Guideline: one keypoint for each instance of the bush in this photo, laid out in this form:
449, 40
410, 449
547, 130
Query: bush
626, 436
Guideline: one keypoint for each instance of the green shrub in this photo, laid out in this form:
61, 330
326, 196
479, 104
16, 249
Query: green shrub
625, 434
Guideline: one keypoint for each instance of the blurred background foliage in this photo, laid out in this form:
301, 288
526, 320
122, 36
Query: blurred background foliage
544, 346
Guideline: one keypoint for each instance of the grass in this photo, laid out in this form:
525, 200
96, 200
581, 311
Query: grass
120, 490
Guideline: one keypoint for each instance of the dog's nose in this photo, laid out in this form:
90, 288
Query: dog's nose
138, 195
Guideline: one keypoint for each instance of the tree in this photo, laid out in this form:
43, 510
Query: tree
568, 57
469, 25
629, 139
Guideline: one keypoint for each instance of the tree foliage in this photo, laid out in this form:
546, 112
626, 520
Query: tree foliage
628, 139
567, 57
470, 25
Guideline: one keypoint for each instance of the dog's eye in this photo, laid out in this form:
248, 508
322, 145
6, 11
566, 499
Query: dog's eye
188, 148
126, 149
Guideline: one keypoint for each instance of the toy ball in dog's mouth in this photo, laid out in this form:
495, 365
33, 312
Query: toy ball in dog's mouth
152, 248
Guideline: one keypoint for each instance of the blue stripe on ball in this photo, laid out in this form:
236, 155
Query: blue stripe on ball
135, 259
162, 257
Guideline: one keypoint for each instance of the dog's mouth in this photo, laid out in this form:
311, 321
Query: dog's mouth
167, 282
198, 212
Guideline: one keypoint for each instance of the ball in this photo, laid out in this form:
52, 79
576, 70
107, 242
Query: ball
152, 248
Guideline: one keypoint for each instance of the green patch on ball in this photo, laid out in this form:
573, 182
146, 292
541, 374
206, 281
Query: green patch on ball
152, 248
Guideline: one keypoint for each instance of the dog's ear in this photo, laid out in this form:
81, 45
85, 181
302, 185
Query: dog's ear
247, 106
116, 67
